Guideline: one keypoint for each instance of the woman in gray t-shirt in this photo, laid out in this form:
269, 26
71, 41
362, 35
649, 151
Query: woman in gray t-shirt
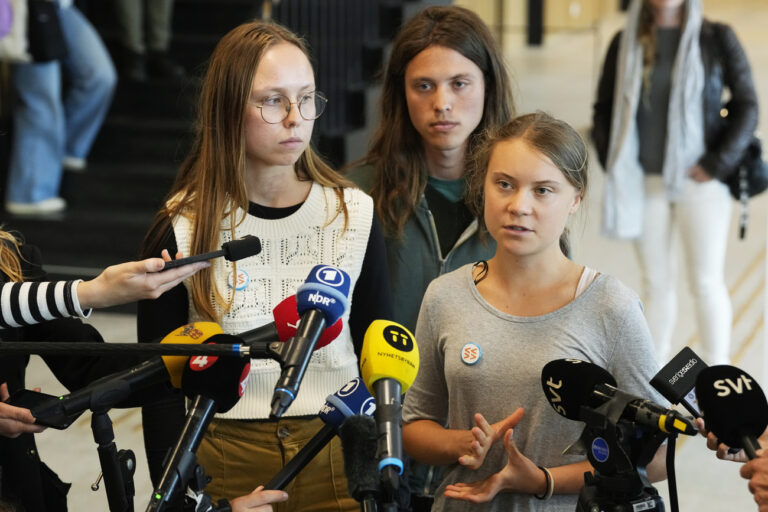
486, 330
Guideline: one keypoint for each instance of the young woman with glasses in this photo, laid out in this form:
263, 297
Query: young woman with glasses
252, 171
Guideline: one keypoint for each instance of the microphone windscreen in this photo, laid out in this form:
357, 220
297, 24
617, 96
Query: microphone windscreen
326, 289
389, 351
352, 399
286, 317
196, 332
569, 384
678, 377
732, 404
247, 246
358, 444
222, 379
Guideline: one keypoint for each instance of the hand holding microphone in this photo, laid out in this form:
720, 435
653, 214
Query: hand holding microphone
234, 250
733, 406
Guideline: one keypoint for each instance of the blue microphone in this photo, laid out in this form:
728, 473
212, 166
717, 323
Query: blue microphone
320, 301
353, 399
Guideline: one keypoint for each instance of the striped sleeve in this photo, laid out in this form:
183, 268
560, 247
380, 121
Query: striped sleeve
29, 303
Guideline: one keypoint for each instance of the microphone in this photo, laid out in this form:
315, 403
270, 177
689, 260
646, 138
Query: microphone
214, 384
283, 328
321, 301
571, 384
109, 390
733, 406
389, 362
351, 400
234, 250
677, 380
358, 444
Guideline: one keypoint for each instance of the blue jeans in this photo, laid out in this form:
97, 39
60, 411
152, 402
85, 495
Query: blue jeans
50, 121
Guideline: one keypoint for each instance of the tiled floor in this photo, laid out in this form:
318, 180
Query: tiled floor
559, 78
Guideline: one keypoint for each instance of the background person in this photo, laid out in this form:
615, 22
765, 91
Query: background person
445, 83
658, 134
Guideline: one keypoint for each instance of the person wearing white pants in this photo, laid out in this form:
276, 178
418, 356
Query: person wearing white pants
665, 150
699, 219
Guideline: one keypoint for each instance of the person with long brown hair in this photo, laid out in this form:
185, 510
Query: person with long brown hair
445, 83
665, 149
253, 171
487, 330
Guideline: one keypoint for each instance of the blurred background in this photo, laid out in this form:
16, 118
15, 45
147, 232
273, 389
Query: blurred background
554, 50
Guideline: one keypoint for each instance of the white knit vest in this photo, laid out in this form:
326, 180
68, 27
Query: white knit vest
290, 248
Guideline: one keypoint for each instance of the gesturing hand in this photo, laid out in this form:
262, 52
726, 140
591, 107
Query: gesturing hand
485, 435
520, 475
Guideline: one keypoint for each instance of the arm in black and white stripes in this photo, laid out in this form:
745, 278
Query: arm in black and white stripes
29, 303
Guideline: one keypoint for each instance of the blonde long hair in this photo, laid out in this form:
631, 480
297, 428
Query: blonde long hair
10, 264
210, 184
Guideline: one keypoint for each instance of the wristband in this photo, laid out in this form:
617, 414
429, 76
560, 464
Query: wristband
550, 485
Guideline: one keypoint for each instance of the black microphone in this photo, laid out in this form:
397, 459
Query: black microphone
124, 388
358, 443
321, 301
733, 406
214, 384
235, 250
571, 384
676, 381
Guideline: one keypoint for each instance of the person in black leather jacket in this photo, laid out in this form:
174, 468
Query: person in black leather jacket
659, 136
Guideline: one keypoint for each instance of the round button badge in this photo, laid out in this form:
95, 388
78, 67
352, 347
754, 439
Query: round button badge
471, 354
242, 281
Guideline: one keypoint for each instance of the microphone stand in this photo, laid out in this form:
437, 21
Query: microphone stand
117, 468
619, 455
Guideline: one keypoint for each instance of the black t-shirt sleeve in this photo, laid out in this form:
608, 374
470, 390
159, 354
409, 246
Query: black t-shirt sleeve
372, 298
163, 419
156, 318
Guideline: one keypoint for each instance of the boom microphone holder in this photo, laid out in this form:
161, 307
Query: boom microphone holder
619, 451
255, 350
118, 466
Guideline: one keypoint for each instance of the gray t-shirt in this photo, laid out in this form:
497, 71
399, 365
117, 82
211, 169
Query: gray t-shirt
604, 325
653, 106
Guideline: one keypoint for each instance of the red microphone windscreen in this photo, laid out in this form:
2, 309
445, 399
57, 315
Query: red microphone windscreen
287, 320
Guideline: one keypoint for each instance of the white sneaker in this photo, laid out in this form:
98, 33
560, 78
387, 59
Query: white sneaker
51, 205
74, 164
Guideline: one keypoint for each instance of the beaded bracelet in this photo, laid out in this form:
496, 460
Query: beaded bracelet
550, 485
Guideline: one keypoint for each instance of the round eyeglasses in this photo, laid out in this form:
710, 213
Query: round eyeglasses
276, 108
